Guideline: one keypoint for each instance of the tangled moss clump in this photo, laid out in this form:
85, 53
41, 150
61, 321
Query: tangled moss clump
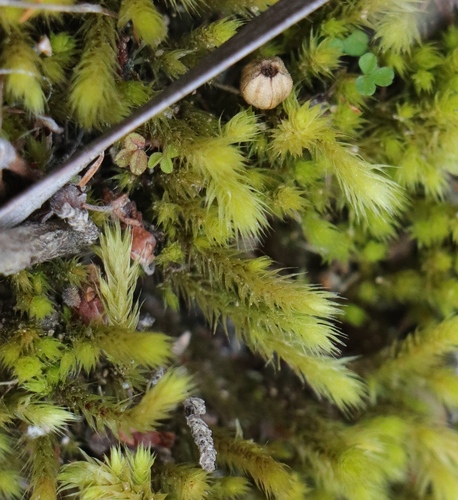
264, 222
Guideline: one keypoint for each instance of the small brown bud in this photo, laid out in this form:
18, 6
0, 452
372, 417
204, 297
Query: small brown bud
265, 83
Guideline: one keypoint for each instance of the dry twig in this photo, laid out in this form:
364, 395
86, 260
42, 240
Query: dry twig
82, 8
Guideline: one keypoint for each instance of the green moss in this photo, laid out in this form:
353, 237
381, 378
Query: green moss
266, 223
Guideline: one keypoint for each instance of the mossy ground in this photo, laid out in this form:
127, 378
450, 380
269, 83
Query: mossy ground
306, 279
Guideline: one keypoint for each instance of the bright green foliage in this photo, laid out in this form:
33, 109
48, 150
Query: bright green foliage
27, 353
230, 488
23, 81
306, 128
219, 165
419, 354
357, 461
326, 238
9, 478
273, 478
158, 402
56, 65
82, 355
46, 418
94, 97
432, 223
320, 57
175, 62
164, 160
237, 204
435, 460
124, 475
184, 483
32, 294
127, 346
286, 319
148, 23
268, 227
117, 287
398, 30
425, 59
11, 17
209, 37
9, 483
44, 469
355, 315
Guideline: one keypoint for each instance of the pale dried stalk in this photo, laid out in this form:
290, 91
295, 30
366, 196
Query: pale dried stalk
82, 8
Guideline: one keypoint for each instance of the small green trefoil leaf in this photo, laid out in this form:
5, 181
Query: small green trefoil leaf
336, 43
368, 63
383, 76
356, 44
154, 159
171, 151
365, 85
166, 165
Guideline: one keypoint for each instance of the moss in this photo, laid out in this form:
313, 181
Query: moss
306, 279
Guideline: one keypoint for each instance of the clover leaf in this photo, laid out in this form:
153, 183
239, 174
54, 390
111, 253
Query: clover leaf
372, 76
356, 44
164, 159
133, 155
367, 63
154, 159
383, 76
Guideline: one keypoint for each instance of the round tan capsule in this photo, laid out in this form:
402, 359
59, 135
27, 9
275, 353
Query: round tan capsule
265, 83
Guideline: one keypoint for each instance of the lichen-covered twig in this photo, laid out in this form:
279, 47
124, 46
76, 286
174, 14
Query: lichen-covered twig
31, 244
201, 433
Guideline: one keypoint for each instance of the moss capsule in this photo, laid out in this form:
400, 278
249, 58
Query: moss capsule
265, 83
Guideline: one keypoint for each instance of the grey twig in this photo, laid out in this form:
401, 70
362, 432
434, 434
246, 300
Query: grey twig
82, 8
30, 244
253, 35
